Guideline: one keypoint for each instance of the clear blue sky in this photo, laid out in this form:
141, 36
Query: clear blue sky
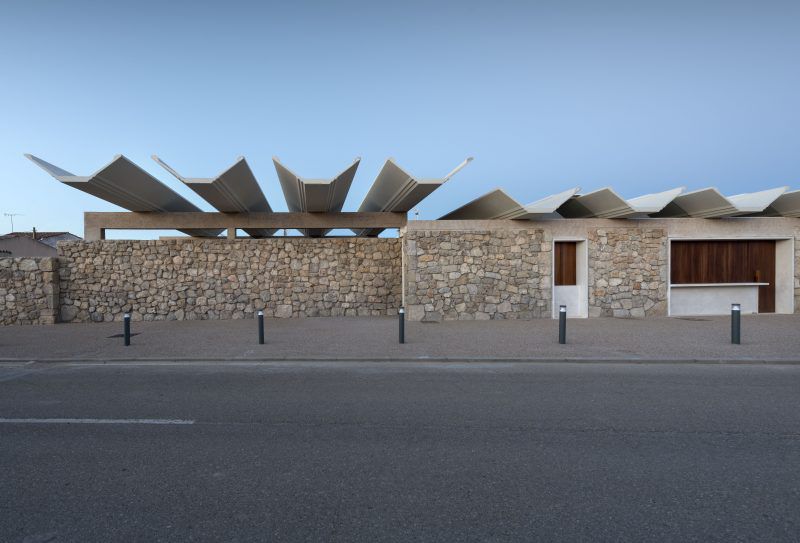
642, 96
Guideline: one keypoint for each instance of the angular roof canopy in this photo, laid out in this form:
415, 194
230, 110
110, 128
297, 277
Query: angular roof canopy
497, 204
236, 190
756, 202
233, 191
315, 195
704, 203
395, 190
603, 203
125, 184
607, 204
709, 203
653, 203
786, 205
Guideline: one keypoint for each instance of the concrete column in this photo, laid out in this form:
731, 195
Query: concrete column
93, 233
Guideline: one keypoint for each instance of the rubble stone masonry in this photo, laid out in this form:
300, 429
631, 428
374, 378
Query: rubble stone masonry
222, 279
797, 270
452, 270
28, 290
503, 274
627, 272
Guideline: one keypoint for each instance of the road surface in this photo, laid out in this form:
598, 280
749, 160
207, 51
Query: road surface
399, 452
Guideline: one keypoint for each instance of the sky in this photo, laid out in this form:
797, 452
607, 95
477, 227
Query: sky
641, 96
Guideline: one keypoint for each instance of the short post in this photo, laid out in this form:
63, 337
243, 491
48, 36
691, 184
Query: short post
562, 324
401, 314
126, 327
261, 328
736, 324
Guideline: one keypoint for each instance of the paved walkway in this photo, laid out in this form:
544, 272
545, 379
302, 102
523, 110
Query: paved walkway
766, 338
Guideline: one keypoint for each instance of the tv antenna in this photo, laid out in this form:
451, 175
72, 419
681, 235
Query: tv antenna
11, 216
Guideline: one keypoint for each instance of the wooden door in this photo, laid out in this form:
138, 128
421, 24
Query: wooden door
566, 263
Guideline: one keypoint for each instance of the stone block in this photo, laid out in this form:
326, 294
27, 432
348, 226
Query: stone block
28, 265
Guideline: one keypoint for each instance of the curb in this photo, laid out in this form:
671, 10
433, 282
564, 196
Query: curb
420, 359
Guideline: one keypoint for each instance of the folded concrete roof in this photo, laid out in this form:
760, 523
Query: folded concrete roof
236, 190
315, 195
786, 205
497, 204
233, 191
607, 204
395, 190
123, 183
704, 203
709, 203
603, 203
653, 203
756, 202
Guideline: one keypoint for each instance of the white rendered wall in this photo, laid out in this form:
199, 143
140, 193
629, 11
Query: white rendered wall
784, 276
573, 296
712, 299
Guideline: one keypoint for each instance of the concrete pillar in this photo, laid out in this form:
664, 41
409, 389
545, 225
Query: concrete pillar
93, 233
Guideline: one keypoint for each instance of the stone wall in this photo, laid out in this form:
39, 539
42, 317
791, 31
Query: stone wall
28, 290
222, 279
453, 270
502, 274
627, 272
797, 270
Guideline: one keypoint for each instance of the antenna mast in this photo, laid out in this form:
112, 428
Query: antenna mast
11, 216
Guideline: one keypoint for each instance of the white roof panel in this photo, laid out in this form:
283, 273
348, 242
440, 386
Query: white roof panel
497, 204
125, 184
756, 202
315, 195
704, 203
603, 203
491, 205
653, 203
395, 190
233, 191
548, 206
786, 205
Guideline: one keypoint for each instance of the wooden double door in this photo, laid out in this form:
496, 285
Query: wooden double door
726, 261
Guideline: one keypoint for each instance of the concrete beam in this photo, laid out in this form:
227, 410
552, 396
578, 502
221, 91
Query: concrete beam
96, 223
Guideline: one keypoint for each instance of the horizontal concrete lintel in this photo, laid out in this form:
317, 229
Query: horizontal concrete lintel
95, 223
772, 227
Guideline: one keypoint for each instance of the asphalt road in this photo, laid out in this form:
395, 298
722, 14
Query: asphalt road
399, 452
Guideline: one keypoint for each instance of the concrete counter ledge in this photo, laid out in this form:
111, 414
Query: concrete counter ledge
715, 285
713, 298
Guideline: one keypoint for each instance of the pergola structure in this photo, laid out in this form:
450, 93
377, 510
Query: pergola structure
316, 205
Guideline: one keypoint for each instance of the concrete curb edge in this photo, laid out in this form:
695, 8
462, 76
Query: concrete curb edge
456, 359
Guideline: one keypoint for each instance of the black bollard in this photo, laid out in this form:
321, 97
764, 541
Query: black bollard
401, 314
261, 328
736, 324
562, 324
126, 327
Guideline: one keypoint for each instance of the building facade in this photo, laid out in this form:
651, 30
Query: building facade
437, 270
596, 253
